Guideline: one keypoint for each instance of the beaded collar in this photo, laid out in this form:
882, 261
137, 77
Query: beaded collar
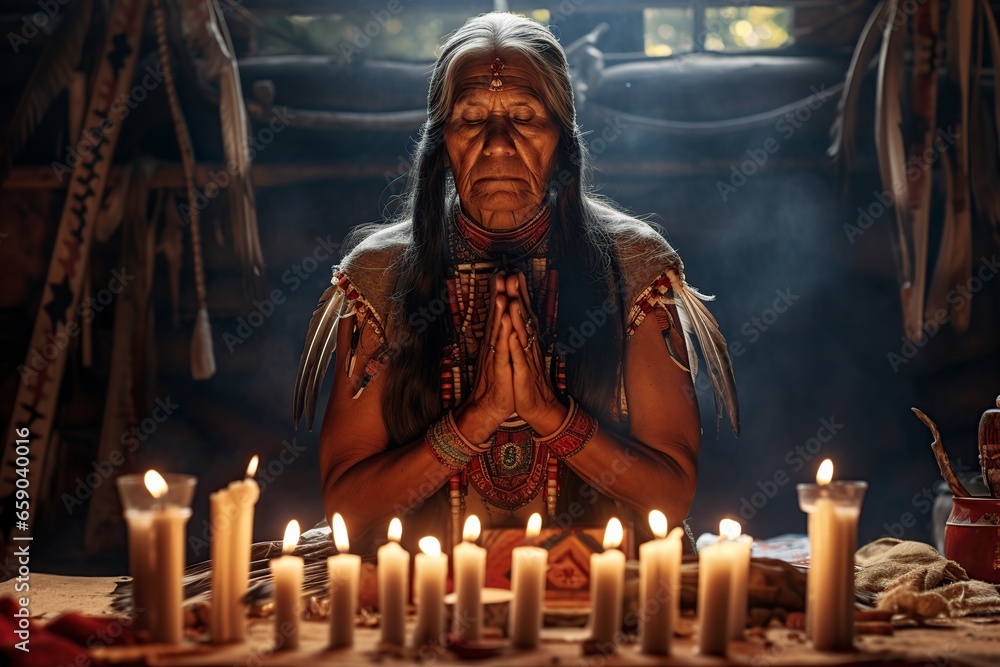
511, 244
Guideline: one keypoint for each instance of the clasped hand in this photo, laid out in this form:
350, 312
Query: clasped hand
510, 373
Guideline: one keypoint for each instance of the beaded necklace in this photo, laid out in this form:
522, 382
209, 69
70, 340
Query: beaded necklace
516, 468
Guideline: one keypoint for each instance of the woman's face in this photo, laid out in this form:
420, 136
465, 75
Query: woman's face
500, 143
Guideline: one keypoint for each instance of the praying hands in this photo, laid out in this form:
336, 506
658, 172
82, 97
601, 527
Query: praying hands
511, 375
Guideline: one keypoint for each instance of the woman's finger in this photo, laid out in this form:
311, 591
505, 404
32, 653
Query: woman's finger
516, 310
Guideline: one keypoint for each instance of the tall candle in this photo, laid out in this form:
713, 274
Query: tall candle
833, 508
659, 586
607, 585
393, 584
470, 575
141, 561
287, 572
244, 495
345, 572
169, 522
527, 582
715, 567
222, 513
741, 547
429, 576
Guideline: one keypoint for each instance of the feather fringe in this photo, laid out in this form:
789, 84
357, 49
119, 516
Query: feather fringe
320, 347
696, 317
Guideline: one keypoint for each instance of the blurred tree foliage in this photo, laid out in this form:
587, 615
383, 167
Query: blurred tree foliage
413, 35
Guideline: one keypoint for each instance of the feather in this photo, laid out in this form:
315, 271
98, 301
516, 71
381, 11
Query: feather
843, 129
892, 166
988, 197
51, 74
235, 138
954, 260
713, 348
320, 346
920, 170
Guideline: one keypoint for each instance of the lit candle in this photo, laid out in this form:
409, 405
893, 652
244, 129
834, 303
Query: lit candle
607, 585
287, 572
470, 575
527, 581
429, 576
833, 508
715, 568
245, 494
142, 567
393, 583
345, 572
169, 522
740, 546
659, 586
231, 513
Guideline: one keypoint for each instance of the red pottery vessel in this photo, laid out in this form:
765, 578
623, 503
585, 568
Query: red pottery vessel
972, 537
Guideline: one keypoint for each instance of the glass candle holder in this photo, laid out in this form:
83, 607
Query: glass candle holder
156, 529
833, 511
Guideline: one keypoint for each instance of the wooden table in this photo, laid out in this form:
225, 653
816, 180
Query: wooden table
957, 642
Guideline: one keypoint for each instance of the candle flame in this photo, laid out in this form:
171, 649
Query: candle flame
155, 483
430, 546
340, 534
825, 472
395, 530
534, 526
252, 467
613, 534
472, 529
658, 523
291, 537
729, 529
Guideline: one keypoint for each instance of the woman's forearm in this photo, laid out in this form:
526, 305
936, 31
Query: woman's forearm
636, 474
391, 483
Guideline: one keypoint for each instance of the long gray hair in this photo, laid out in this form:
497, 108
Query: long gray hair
581, 249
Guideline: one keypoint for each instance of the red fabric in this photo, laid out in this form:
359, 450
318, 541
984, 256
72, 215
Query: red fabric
61, 643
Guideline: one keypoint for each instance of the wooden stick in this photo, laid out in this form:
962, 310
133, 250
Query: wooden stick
944, 463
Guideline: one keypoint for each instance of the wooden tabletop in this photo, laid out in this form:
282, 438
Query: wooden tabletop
956, 642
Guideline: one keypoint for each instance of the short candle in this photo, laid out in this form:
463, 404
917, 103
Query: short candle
344, 571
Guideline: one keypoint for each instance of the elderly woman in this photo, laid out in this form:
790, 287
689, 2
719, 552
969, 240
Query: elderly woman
511, 343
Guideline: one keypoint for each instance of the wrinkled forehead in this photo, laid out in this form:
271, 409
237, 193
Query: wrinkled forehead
479, 75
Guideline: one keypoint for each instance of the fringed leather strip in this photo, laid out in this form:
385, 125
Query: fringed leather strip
340, 301
670, 289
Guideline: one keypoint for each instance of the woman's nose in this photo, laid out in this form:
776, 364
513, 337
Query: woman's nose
498, 140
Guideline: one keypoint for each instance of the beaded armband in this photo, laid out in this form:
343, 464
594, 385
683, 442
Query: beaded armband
448, 444
574, 433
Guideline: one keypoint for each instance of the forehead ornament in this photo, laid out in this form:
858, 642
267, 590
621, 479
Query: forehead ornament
496, 83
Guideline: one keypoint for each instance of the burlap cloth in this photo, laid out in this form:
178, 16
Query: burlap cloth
913, 578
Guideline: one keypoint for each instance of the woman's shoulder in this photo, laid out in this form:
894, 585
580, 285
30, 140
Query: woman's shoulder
376, 249
641, 249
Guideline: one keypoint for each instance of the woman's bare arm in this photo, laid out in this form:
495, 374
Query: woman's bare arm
657, 468
362, 479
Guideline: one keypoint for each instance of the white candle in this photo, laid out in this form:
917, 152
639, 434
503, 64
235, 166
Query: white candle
659, 586
429, 577
470, 576
287, 573
607, 585
393, 584
528, 568
232, 513
168, 537
345, 572
244, 494
715, 568
833, 508
142, 567
741, 546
